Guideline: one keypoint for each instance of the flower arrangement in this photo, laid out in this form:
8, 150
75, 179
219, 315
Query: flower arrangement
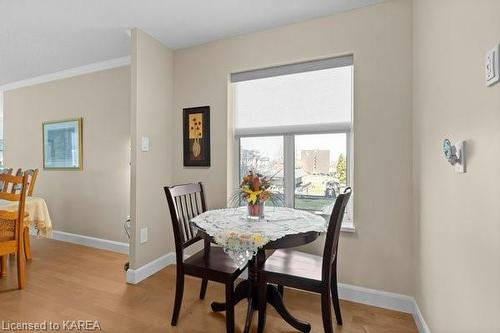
255, 190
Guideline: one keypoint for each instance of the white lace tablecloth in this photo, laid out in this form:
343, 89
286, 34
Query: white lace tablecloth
241, 237
38, 219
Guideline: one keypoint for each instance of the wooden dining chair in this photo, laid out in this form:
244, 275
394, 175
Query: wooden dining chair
11, 227
211, 263
31, 174
309, 272
4, 187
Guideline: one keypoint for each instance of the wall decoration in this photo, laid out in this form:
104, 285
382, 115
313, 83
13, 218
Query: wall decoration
197, 136
63, 145
455, 154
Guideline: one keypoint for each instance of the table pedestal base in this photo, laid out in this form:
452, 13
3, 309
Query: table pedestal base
249, 289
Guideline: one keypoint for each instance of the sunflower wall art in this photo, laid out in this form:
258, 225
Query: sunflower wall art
197, 136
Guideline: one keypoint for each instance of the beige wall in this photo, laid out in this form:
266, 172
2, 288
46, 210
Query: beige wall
458, 215
379, 255
95, 201
152, 90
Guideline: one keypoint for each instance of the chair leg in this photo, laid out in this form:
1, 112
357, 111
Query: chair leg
326, 310
21, 276
203, 289
179, 291
335, 293
3, 265
262, 306
27, 244
335, 299
281, 290
229, 308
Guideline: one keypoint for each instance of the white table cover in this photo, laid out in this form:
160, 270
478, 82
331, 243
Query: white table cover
38, 219
241, 237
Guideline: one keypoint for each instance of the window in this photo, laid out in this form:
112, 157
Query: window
266, 155
293, 123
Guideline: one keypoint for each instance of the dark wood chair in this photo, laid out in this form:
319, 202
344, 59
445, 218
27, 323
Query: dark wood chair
308, 272
211, 263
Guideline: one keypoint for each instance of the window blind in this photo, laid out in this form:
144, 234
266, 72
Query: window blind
294, 98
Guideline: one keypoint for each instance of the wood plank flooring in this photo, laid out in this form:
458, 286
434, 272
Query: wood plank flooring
72, 282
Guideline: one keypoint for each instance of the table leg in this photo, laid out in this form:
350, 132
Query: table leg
27, 243
249, 289
240, 293
250, 311
3, 265
276, 300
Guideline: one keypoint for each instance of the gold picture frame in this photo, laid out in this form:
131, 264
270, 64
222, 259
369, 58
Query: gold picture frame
63, 144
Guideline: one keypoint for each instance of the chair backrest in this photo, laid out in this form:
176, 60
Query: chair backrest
185, 202
333, 233
11, 222
4, 187
32, 175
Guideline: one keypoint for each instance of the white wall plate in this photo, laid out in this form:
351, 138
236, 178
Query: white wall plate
491, 66
460, 166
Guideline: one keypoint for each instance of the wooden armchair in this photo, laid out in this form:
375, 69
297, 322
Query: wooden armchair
11, 226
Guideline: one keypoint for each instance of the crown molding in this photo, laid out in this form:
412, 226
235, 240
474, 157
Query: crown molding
67, 73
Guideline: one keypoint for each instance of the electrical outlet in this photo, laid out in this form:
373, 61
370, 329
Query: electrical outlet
144, 235
491, 66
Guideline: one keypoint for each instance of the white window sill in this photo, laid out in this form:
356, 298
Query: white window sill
347, 225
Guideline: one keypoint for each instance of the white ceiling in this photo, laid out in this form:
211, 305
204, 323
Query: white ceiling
44, 36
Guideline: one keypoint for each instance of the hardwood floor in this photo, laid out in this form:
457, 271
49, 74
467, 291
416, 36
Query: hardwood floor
72, 282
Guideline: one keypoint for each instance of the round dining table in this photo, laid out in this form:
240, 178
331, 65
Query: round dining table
246, 240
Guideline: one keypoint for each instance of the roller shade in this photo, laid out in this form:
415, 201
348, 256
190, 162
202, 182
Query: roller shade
298, 96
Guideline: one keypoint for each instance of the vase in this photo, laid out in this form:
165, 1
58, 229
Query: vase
196, 148
256, 211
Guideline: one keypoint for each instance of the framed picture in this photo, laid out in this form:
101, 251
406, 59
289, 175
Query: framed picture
196, 125
63, 145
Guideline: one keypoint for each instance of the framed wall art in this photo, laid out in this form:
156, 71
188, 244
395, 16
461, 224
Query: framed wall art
196, 136
63, 145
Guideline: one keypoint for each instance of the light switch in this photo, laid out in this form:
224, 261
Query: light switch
144, 235
491, 66
145, 143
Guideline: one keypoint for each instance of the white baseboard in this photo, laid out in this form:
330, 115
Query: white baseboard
378, 298
135, 276
382, 299
98, 243
419, 319
386, 300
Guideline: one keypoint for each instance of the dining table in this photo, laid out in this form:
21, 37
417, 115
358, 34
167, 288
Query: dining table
246, 239
38, 217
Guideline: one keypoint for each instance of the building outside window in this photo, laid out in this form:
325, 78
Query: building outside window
293, 123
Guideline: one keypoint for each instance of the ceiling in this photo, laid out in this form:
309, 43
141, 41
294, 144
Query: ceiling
42, 37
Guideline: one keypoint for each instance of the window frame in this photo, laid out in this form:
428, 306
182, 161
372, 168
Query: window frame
288, 134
